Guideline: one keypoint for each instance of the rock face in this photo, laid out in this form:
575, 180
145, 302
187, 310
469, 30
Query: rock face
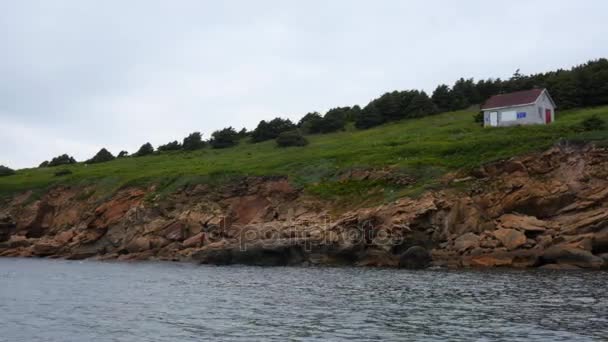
545, 210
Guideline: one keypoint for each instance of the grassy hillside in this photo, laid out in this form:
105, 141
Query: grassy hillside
422, 148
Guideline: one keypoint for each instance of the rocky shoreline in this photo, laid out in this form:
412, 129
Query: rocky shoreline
546, 210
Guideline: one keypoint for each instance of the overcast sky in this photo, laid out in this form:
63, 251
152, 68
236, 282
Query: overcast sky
79, 75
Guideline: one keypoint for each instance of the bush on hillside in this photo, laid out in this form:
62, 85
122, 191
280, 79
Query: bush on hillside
63, 172
144, 150
593, 123
172, 146
122, 154
63, 159
6, 171
291, 138
101, 157
194, 141
224, 138
478, 118
271, 129
44, 164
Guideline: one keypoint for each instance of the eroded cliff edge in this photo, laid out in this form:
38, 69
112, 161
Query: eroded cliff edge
543, 210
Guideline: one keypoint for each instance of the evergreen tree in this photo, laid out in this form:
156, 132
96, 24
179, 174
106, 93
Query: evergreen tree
194, 141
102, 156
63, 159
369, 117
243, 132
172, 146
335, 119
311, 123
224, 138
421, 105
144, 150
442, 98
6, 171
271, 129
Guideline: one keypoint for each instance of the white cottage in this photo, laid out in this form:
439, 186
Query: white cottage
527, 107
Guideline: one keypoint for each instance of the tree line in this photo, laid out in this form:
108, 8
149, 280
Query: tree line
581, 86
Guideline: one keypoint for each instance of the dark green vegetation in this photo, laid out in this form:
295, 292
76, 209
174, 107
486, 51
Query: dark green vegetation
271, 129
193, 142
224, 138
145, 150
593, 123
63, 159
423, 148
291, 138
101, 157
6, 171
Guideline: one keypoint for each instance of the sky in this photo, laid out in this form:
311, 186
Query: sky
79, 75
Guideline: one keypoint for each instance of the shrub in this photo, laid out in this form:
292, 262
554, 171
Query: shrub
101, 157
271, 129
224, 138
6, 171
593, 123
478, 118
123, 154
63, 159
194, 141
144, 150
172, 146
291, 138
63, 172
44, 164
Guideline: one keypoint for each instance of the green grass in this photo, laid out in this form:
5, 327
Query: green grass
424, 148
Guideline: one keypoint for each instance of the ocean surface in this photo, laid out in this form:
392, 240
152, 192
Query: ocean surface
56, 300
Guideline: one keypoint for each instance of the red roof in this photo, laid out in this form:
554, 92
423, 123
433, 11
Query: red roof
513, 99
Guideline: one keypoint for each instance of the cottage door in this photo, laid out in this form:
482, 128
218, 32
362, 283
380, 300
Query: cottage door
493, 119
548, 116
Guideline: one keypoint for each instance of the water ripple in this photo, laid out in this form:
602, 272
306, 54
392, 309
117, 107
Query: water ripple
54, 300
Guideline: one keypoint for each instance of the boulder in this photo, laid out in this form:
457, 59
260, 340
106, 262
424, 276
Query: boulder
466, 241
46, 248
571, 256
415, 257
138, 245
525, 223
491, 260
510, 238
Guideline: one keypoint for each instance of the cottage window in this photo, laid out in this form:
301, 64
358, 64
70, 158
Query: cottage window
540, 112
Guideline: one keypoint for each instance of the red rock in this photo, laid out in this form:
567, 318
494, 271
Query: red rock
195, 241
510, 238
466, 242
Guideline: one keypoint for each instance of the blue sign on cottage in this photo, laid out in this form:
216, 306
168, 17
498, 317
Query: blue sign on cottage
521, 115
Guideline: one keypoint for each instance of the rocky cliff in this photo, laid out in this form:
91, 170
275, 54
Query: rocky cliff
544, 210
